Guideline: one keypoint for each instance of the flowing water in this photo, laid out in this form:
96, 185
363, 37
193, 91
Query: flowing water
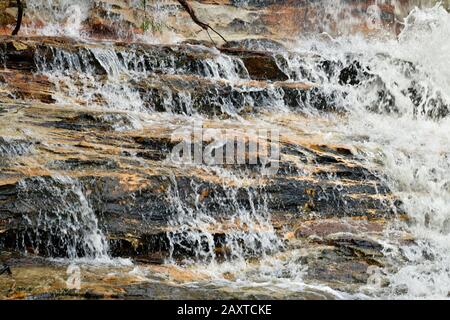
395, 112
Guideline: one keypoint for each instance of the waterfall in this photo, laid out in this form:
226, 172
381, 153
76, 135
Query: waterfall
65, 214
349, 98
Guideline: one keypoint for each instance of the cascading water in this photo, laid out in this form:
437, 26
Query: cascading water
390, 103
66, 215
406, 140
416, 157
242, 229
124, 71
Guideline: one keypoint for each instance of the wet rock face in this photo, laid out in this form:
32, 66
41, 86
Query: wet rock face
87, 133
136, 220
17, 55
346, 251
260, 65
123, 177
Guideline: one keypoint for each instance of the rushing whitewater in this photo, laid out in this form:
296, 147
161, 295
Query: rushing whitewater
393, 110
410, 147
